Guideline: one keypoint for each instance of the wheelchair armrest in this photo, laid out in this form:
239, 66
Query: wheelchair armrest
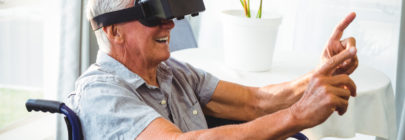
43, 105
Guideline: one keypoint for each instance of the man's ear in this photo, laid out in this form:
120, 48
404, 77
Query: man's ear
114, 34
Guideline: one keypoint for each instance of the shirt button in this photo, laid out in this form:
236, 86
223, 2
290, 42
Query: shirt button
195, 112
163, 102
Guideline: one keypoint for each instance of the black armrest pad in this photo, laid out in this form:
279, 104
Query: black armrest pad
214, 122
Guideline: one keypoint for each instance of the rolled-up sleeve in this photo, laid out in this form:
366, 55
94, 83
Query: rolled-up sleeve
205, 84
111, 111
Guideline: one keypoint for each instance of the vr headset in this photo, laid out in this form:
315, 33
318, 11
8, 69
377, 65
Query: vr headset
150, 12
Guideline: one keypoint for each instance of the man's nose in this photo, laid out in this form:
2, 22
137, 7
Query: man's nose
167, 24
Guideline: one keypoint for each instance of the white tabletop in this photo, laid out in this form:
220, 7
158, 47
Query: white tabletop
372, 112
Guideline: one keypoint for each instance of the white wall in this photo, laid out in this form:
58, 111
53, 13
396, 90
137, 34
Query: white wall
210, 31
376, 29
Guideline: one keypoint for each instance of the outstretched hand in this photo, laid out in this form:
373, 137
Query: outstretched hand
326, 93
330, 87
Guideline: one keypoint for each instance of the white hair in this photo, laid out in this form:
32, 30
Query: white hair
98, 7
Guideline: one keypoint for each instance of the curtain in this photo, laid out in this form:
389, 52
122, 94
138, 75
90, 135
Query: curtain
74, 52
400, 97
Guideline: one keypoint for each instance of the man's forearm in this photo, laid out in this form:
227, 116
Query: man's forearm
278, 125
237, 102
280, 96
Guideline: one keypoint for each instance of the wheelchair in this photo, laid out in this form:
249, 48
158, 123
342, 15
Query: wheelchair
74, 126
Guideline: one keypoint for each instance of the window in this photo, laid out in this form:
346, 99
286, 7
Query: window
26, 31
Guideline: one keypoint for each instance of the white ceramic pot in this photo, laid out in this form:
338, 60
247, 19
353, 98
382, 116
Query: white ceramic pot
249, 42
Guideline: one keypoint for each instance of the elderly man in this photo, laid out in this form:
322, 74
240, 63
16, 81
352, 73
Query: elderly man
136, 91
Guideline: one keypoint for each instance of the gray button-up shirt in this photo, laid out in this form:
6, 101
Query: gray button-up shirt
114, 103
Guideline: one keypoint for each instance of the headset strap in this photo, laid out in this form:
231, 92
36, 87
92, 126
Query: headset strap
120, 16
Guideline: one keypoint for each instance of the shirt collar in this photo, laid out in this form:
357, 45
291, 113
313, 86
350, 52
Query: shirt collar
110, 65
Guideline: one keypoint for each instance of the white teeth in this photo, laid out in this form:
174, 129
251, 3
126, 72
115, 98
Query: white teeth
162, 39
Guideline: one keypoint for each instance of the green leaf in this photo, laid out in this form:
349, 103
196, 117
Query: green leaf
245, 8
248, 8
259, 12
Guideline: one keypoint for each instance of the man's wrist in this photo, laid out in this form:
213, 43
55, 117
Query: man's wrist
299, 85
289, 122
294, 118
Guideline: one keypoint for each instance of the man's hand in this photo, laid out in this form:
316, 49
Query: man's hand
326, 92
330, 87
335, 46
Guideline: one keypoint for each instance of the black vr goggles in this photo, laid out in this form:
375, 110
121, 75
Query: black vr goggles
150, 12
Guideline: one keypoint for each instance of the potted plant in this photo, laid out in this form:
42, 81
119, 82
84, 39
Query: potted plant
249, 41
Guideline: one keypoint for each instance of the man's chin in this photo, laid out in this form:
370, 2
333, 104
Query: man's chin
166, 57
163, 57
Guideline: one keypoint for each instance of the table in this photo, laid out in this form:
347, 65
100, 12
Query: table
372, 112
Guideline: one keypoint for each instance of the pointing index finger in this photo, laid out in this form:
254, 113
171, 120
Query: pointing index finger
337, 34
331, 65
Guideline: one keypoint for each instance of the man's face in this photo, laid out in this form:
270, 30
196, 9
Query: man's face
148, 43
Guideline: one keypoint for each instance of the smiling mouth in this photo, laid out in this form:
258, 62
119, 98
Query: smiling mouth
162, 40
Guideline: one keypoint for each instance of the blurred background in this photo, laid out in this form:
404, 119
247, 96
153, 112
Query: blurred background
46, 44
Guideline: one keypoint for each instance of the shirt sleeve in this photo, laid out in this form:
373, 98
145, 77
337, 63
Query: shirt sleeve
111, 111
204, 83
